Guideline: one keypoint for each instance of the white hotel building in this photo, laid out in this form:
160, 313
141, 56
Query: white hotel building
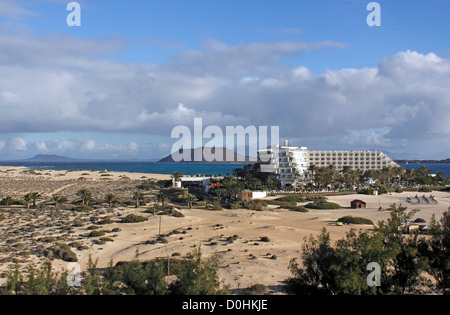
290, 164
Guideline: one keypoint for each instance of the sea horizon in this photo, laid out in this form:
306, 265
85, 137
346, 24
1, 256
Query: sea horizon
188, 169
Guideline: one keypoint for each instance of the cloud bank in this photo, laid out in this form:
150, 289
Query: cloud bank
62, 83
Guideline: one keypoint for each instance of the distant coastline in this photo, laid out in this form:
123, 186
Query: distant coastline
168, 167
447, 161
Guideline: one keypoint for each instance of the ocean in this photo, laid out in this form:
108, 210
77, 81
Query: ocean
168, 168
434, 167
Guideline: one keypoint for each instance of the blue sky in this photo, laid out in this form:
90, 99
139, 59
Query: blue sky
116, 86
156, 30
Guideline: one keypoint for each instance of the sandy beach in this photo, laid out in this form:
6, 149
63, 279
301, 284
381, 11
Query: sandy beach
234, 235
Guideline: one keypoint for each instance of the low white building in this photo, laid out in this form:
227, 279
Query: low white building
184, 181
248, 194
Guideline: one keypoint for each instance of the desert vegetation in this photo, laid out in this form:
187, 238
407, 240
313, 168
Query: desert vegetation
409, 264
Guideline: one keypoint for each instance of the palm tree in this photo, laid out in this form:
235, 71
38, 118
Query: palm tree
59, 200
28, 199
331, 175
312, 168
388, 172
110, 199
345, 171
399, 172
34, 197
190, 198
85, 196
7, 201
410, 176
176, 176
163, 197
137, 196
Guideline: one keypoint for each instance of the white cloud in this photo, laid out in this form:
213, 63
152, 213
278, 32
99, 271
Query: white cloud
18, 144
41, 146
133, 147
9, 10
65, 144
63, 84
89, 145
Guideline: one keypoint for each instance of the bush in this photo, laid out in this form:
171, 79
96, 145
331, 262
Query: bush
236, 205
425, 189
355, 220
147, 186
254, 206
106, 239
233, 238
201, 203
282, 204
159, 209
63, 252
166, 210
96, 233
217, 205
291, 199
265, 239
83, 208
106, 221
133, 218
256, 289
322, 204
299, 209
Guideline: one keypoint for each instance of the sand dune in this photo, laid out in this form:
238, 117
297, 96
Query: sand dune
234, 235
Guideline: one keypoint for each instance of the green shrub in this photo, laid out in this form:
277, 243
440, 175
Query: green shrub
106, 221
322, 204
106, 239
217, 205
299, 209
292, 198
233, 238
355, 220
263, 203
133, 218
83, 208
63, 252
256, 289
201, 203
96, 233
265, 239
159, 209
366, 191
398, 190
254, 206
236, 205
282, 204
147, 186
425, 189
316, 198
